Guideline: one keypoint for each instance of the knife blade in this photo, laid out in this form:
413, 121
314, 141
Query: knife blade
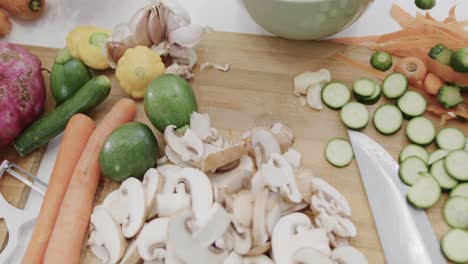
405, 232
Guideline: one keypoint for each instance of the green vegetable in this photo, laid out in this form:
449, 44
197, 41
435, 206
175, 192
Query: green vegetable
459, 60
43, 130
67, 76
425, 4
381, 61
169, 100
441, 54
449, 96
129, 151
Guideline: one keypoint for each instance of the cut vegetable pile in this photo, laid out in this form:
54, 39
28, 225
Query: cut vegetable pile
215, 201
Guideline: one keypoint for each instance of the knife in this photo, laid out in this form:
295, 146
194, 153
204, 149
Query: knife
405, 232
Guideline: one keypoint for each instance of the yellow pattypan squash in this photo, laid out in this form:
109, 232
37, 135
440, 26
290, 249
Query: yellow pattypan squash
136, 69
85, 43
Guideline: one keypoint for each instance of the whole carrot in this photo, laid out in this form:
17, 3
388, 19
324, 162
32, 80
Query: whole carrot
75, 137
72, 222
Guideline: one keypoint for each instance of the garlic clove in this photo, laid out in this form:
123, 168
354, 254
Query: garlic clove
156, 26
139, 27
186, 36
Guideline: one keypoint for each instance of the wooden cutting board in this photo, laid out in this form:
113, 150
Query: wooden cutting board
258, 89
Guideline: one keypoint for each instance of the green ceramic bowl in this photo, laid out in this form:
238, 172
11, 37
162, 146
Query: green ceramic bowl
305, 19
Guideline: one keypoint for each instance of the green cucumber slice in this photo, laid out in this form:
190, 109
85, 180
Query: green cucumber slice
439, 173
456, 164
424, 193
410, 170
420, 130
339, 152
454, 245
395, 85
388, 119
355, 115
436, 156
450, 138
412, 104
413, 150
456, 212
335, 95
460, 190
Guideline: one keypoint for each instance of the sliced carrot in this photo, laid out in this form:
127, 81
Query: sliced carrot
432, 84
401, 16
72, 222
447, 73
414, 69
360, 65
451, 17
75, 137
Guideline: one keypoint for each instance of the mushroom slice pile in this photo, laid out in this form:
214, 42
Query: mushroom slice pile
106, 240
225, 203
332, 211
200, 146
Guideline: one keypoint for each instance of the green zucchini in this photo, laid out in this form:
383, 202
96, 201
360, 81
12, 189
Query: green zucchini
441, 54
46, 128
67, 76
459, 60
381, 61
449, 96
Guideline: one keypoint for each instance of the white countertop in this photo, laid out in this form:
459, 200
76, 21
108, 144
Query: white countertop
62, 16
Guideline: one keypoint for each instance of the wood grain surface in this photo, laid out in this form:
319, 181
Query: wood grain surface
258, 89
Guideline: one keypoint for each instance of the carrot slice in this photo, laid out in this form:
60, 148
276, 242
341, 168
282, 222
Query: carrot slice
72, 221
360, 65
75, 137
401, 16
432, 84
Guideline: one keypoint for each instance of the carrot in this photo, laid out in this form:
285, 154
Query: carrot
414, 69
75, 137
72, 222
447, 73
23, 9
5, 23
432, 84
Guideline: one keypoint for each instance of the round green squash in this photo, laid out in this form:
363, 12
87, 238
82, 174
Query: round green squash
169, 100
129, 151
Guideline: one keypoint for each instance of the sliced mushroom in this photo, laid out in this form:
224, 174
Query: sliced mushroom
226, 242
217, 221
261, 259
242, 240
168, 171
259, 250
131, 255
314, 96
233, 258
129, 208
236, 179
311, 256
304, 183
201, 125
169, 204
112, 205
293, 157
293, 232
106, 240
280, 175
259, 226
341, 226
264, 143
194, 144
306, 79
257, 183
218, 159
176, 143
338, 204
175, 158
348, 255
152, 183
184, 246
273, 216
286, 207
152, 239
242, 204
284, 135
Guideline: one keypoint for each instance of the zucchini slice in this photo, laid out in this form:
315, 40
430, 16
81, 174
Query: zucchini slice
411, 170
339, 152
395, 85
388, 119
450, 138
456, 212
456, 164
454, 245
412, 104
335, 95
440, 174
424, 193
460, 190
436, 156
381, 61
420, 130
355, 115
413, 150
364, 87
